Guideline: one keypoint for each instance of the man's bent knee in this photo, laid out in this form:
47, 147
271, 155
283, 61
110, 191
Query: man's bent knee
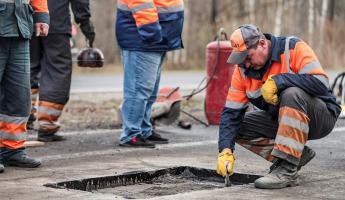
292, 96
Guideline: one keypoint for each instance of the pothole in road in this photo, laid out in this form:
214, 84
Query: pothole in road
155, 183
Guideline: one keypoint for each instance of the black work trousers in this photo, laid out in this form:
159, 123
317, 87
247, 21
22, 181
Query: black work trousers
259, 132
51, 67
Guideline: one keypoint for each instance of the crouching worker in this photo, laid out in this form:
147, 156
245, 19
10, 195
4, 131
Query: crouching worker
17, 24
283, 78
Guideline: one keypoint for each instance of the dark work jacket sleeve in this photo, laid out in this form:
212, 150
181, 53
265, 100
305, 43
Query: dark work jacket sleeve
229, 127
306, 82
81, 10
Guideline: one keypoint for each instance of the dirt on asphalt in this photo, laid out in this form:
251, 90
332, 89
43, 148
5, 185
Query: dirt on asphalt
86, 111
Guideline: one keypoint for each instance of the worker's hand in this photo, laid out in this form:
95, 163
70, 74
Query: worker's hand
41, 29
225, 162
88, 30
269, 91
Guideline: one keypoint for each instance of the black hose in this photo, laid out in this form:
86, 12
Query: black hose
215, 69
340, 76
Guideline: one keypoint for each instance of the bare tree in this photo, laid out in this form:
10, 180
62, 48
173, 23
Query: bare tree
331, 10
323, 16
278, 20
213, 11
311, 21
251, 6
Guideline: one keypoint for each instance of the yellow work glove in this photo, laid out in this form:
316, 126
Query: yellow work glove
342, 113
225, 162
269, 91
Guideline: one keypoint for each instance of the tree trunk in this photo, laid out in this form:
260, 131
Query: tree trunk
322, 22
213, 11
278, 17
311, 22
331, 10
251, 6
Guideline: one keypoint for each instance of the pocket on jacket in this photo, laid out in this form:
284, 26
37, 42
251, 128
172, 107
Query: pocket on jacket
171, 28
163, 17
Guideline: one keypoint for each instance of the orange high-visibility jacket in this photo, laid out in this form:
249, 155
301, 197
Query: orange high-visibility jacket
292, 64
150, 25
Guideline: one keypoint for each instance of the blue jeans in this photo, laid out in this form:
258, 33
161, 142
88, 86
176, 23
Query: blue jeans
141, 83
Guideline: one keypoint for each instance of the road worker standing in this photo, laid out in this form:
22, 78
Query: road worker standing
283, 78
18, 20
51, 65
145, 31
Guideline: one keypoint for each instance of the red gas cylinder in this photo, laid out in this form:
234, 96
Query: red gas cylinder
219, 75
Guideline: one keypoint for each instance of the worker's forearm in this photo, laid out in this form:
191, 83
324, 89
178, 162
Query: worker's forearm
228, 128
306, 82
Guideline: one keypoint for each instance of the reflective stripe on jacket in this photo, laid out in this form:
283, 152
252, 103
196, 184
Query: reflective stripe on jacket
299, 68
149, 25
18, 16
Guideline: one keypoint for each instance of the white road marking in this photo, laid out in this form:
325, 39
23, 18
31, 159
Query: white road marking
338, 129
126, 150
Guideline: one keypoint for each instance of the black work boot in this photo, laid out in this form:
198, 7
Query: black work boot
31, 121
23, 161
281, 176
275, 164
2, 168
307, 155
138, 141
157, 139
51, 137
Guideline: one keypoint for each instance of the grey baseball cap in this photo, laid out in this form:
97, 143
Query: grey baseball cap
243, 38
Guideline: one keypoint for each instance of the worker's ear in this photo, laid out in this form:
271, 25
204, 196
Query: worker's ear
263, 43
